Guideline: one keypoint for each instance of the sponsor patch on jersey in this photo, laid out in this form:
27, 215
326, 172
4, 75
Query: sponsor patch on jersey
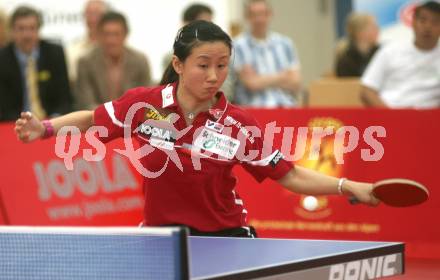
157, 132
217, 143
157, 136
217, 127
155, 115
229, 120
167, 96
276, 159
216, 113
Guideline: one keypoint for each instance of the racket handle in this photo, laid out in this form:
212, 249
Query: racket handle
353, 200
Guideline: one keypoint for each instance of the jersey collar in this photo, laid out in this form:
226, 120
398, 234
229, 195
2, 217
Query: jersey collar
169, 100
169, 96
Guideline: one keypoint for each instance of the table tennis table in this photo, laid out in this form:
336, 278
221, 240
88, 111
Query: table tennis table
74, 253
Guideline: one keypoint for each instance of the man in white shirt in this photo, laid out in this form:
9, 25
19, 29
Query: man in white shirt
407, 75
265, 62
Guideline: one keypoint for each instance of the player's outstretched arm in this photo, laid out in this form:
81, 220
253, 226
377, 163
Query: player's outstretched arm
306, 181
29, 128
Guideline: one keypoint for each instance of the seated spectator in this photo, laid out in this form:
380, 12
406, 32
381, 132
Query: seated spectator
408, 75
355, 51
93, 11
266, 64
110, 69
3, 29
33, 72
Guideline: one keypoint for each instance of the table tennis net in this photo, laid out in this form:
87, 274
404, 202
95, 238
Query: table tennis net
33, 253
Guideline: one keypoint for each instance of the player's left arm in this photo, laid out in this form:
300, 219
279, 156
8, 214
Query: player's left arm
309, 182
29, 128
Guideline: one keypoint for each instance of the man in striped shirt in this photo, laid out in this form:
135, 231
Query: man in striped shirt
265, 62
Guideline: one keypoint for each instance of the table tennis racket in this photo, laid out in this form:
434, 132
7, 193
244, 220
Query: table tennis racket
398, 192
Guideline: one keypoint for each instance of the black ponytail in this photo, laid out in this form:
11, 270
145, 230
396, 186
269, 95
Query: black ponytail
189, 37
169, 75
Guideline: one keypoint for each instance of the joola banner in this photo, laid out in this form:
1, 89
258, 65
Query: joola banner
77, 180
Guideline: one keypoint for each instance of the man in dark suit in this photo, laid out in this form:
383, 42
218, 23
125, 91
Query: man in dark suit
33, 72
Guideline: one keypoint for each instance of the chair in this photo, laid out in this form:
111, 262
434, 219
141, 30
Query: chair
335, 92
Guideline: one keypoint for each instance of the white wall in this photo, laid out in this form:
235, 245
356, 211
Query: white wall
311, 25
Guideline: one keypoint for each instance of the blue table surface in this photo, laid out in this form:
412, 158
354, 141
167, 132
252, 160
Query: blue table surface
215, 256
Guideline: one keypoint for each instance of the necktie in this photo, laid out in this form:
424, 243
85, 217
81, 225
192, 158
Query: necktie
32, 89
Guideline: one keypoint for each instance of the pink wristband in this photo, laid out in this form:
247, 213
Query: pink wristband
48, 131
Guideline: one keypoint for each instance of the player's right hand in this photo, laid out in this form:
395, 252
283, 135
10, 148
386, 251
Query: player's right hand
363, 192
28, 127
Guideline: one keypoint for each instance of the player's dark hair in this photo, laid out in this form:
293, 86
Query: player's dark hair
190, 36
112, 16
431, 6
25, 11
194, 11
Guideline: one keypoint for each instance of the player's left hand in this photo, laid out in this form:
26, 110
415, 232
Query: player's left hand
28, 127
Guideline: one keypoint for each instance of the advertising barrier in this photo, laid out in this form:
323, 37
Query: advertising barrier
36, 188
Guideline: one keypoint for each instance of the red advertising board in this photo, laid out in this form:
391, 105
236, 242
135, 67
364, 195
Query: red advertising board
410, 150
37, 189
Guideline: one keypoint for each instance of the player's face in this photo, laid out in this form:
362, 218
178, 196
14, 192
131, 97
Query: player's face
25, 33
427, 29
204, 70
112, 38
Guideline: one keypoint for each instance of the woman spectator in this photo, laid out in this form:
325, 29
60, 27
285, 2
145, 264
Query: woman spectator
354, 52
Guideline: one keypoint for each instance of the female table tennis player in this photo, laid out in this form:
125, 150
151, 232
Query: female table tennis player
202, 199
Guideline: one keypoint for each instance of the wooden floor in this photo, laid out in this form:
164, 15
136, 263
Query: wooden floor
420, 269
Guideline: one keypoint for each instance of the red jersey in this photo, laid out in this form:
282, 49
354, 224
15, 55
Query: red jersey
188, 169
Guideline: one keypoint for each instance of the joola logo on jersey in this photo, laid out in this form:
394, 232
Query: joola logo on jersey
214, 126
158, 133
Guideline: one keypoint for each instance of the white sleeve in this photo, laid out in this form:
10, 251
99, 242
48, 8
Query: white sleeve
375, 74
